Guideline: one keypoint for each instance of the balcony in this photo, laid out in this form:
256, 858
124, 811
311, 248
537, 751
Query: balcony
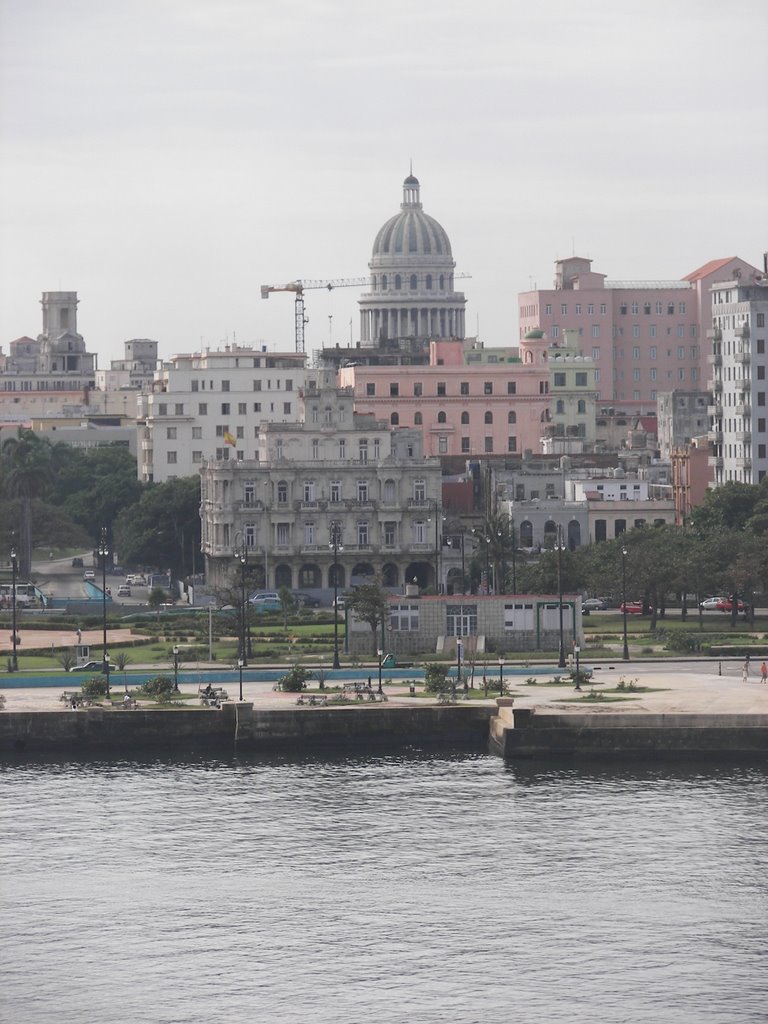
716, 461
742, 357
715, 334
743, 437
742, 332
744, 409
715, 410
743, 462
715, 436
717, 385
715, 359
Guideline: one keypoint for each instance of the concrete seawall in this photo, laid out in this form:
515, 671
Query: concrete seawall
290, 729
523, 733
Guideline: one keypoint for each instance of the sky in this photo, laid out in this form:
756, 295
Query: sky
166, 158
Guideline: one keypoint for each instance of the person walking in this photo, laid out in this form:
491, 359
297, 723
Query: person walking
764, 673
744, 673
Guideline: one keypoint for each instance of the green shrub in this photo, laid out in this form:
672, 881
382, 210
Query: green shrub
295, 679
160, 688
94, 687
435, 678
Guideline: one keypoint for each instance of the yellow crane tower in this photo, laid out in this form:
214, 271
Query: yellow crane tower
299, 287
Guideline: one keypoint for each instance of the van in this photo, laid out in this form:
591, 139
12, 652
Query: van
264, 595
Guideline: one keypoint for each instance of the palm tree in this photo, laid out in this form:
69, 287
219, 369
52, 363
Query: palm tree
26, 464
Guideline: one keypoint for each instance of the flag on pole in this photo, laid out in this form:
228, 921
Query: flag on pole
229, 438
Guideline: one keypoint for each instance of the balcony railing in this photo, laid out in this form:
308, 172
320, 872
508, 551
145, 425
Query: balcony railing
715, 359
716, 461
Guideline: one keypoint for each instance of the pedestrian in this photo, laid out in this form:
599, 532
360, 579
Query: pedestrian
744, 673
746, 664
764, 673
79, 634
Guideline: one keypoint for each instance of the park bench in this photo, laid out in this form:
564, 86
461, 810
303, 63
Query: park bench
123, 704
212, 696
446, 697
313, 700
74, 698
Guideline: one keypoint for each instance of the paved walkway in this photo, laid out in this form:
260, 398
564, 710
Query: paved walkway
694, 687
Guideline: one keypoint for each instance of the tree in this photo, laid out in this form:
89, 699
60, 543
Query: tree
295, 679
288, 604
26, 468
164, 527
370, 604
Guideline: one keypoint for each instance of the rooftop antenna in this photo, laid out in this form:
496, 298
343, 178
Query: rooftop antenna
330, 330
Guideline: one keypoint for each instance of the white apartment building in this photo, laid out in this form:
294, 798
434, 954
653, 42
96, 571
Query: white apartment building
331, 473
210, 405
739, 412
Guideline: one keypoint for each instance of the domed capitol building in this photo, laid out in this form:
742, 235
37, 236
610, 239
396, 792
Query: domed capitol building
412, 287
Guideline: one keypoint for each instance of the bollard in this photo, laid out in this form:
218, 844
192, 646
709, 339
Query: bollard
412, 689
719, 668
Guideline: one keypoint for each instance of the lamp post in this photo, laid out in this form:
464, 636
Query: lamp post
14, 637
175, 668
514, 559
485, 542
625, 653
453, 545
335, 546
103, 551
242, 558
559, 548
240, 663
501, 676
381, 656
577, 652
458, 664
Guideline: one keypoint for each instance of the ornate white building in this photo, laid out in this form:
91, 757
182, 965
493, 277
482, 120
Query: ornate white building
333, 470
412, 267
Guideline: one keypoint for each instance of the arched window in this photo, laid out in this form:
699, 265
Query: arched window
418, 419
394, 419
282, 492
428, 282
488, 418
398, 282
383, 282
389, 491
413, 282
560, 406
442, 283
512, 417
465, 417
582, 406
441, 418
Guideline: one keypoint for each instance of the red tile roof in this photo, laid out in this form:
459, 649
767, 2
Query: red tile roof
708, 268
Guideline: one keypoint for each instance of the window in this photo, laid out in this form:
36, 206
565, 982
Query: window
548, 309
465, 445
315, 448
282, 492
441, 417
581, 379
413, 282
282, 534
511, 387
194, 385
512, 416
559, 407
635, 331
171, 458
441, 389
370, 390
257, 406
681, 309
652, 351
418, 419
512, 444
286, 408
197, 457
404, 618
559, 381
257, 385
581, 406
636, 373
578, 309
635, 351
398, 282
310, 534
604, 309
225, 385
595, 330
162, 409
342, 448
464, 387
442, 446
465, 418
242, 409
647, 308
178, 409
170, 433
681, 351
240, 431
563, 308
417, 390
488, 418
225, 409
394, 419
652, 330
488, 387
390, 532
419, 490
635, 309
488, 446
363, 449
394, 390
197, 433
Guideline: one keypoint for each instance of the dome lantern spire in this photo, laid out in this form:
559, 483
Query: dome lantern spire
411, 192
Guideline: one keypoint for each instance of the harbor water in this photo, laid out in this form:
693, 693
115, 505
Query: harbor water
421, 887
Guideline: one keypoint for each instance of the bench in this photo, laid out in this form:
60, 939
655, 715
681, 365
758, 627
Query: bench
212, 696
312, 700
75, 699
446, 697
123, 704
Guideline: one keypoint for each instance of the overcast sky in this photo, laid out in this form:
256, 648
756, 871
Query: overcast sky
165, 158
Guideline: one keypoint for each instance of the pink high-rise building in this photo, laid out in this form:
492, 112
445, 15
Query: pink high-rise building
644, 336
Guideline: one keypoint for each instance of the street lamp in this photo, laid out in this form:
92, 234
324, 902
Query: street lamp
240, 663
501, 676
103, 551
14, 637
458, 664
175, 668
453, 541
514, 559
577, 652
559, 546
335, 546
242, 558
381, 655
625, 654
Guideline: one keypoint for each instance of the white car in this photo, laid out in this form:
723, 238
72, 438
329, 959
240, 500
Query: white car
89, 574
712, 604
124, 590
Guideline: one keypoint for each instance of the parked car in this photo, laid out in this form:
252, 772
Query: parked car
711, 604
265, 604
307, 600
93, 666
633, 608
77, 563
89, 574
594, 604
264, 595
725, 604
338, 603
124, 590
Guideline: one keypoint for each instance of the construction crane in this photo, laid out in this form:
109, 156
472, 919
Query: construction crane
299, 287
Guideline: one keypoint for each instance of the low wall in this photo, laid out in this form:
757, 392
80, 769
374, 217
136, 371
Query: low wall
235, 723
523, 733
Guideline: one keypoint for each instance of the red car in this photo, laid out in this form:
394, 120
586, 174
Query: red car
726, 605
633, 607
